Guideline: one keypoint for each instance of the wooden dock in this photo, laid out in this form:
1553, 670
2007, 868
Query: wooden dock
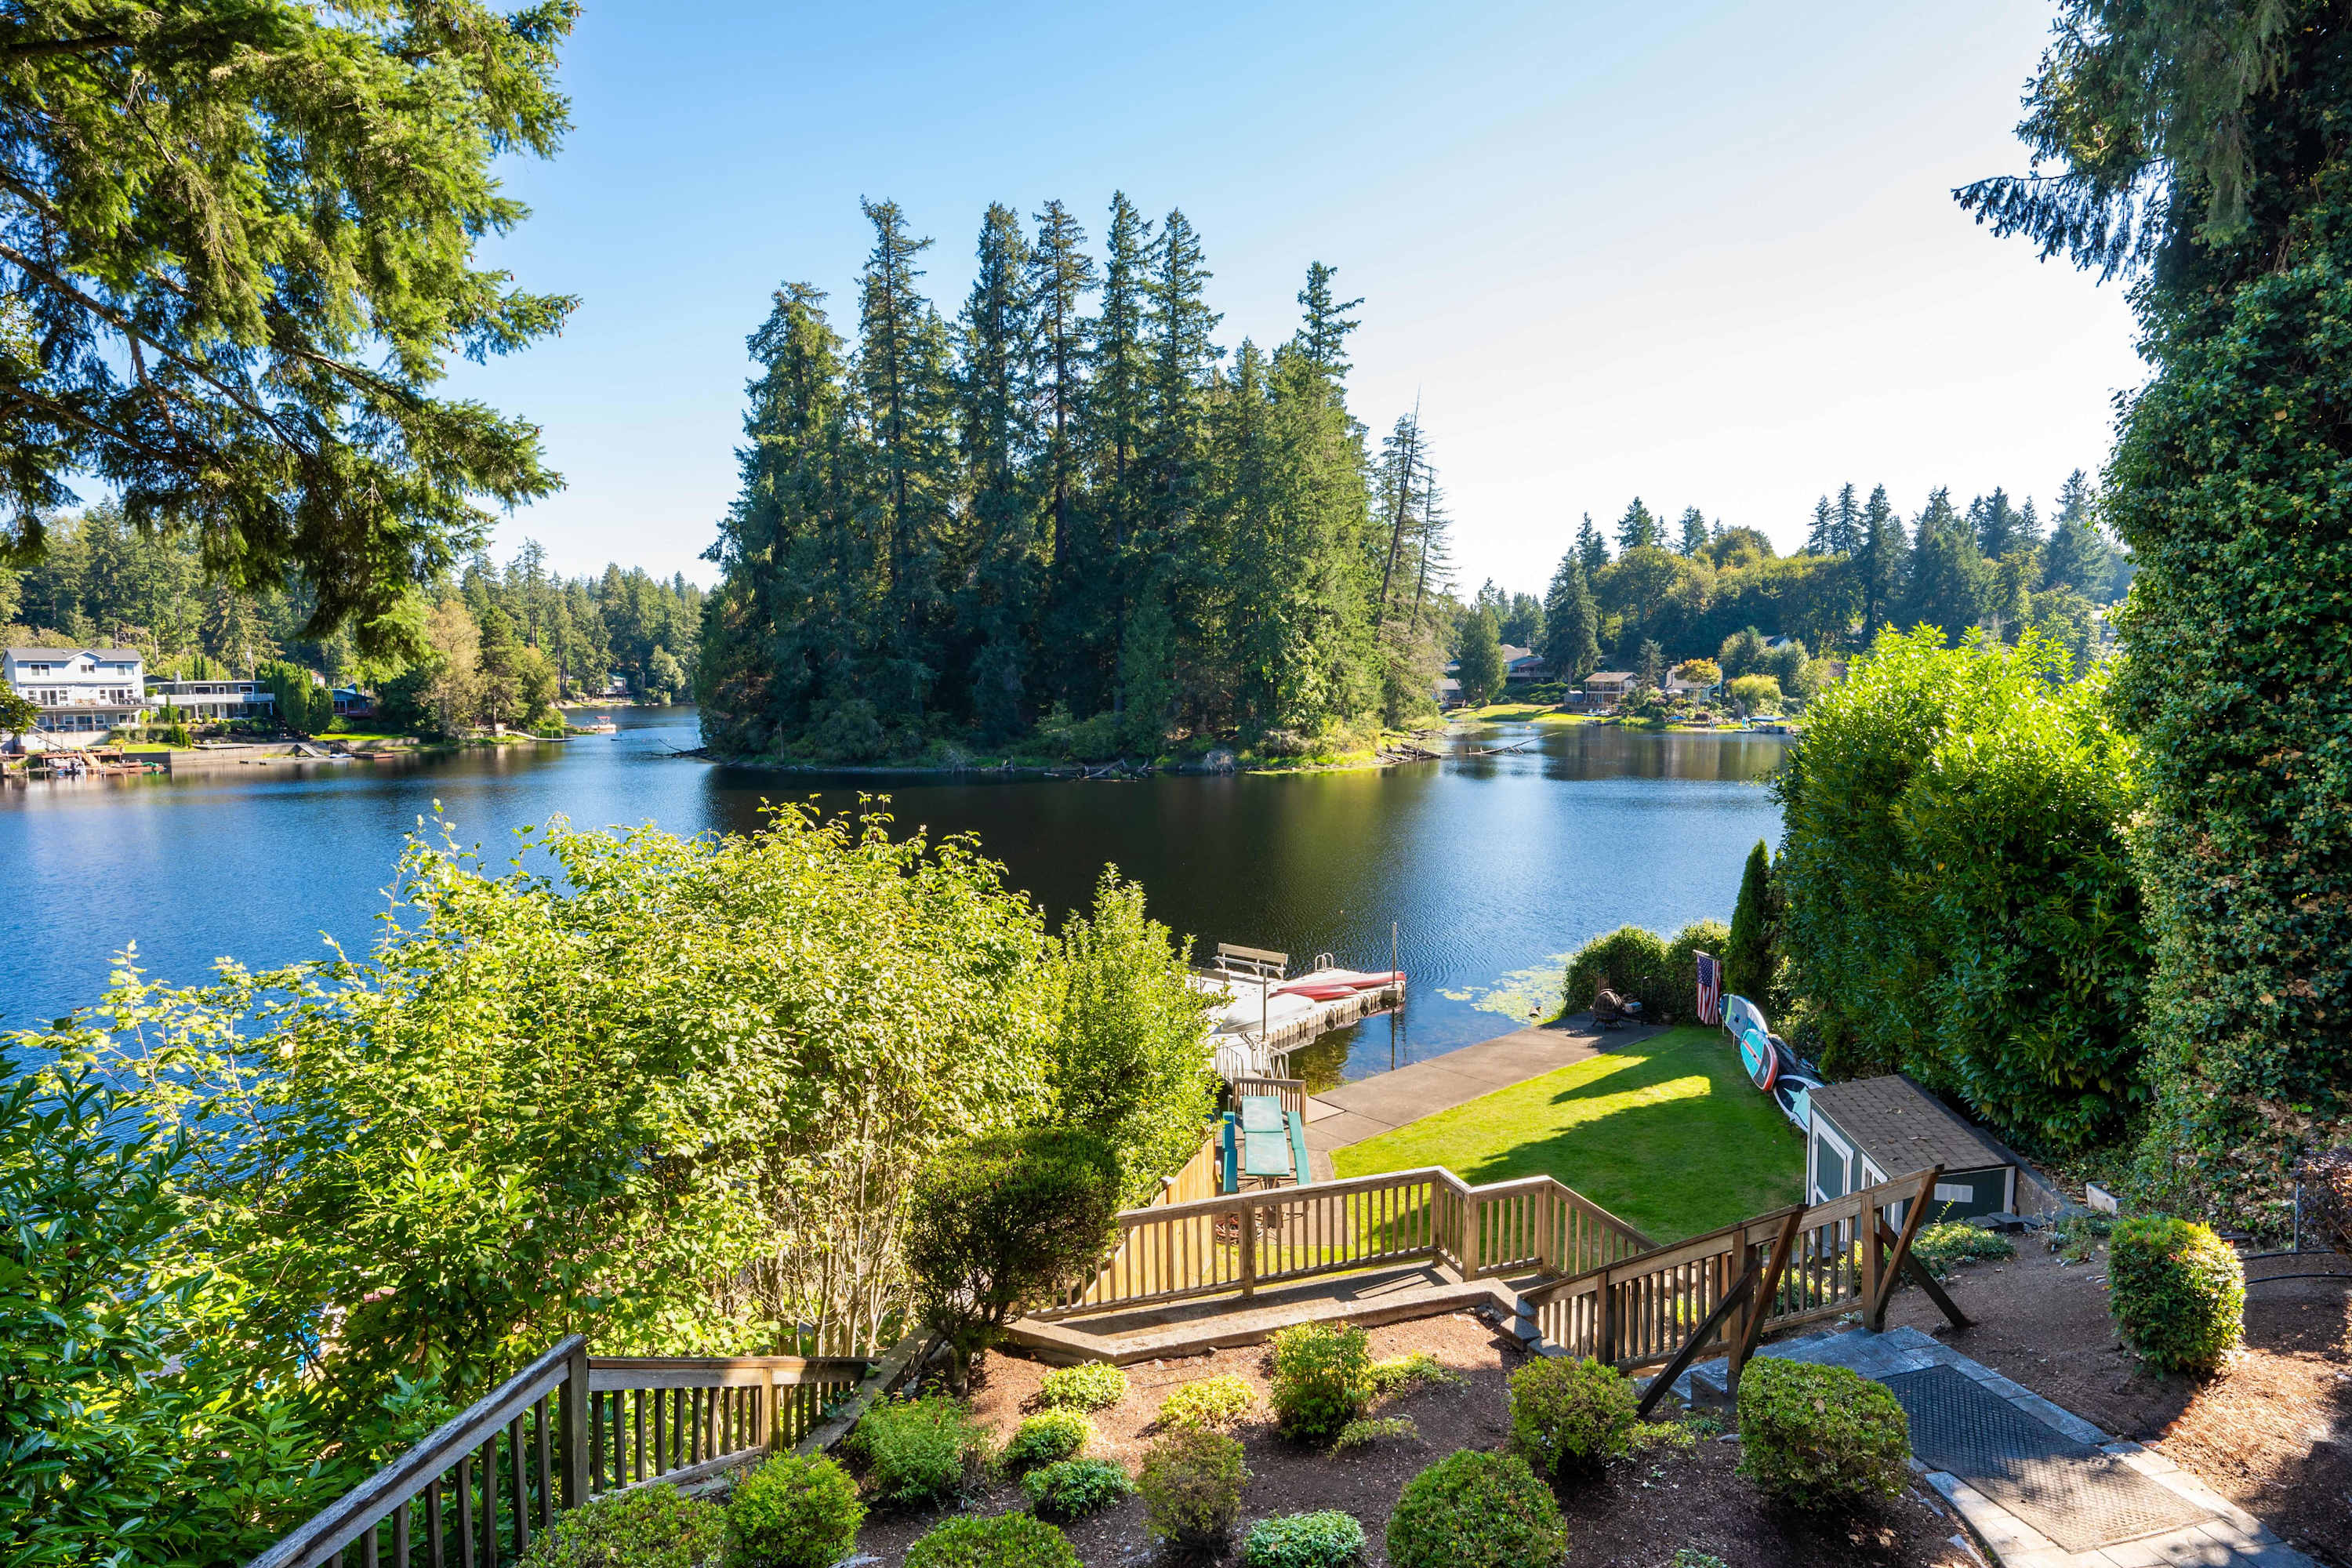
1253, 1035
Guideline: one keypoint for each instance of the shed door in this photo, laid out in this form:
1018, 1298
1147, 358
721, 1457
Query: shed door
1832, 1164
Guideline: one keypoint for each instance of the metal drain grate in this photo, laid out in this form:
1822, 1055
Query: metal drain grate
2070, 1491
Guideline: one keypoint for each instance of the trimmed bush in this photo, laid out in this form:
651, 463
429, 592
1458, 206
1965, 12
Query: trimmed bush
1632, 960
1089, 1385
1076, 1488
917, 1450
1322, 1379
1006, 1541
648, 1527
2178, 1293
1821, 1437
1001, 1220
794, 1512
1572, 1417
1192, 1487
1475, 1510
1216, 1402
1048, 1436
1327, 1539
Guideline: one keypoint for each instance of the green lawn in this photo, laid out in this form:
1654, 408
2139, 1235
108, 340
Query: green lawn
1668, 1134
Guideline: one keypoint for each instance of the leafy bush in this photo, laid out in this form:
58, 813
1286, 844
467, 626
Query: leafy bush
1570, 1415
647, 1527
1048, 1435
2178, 1293
1005, 1540
1821, 1437
1692, 1557
915, 1451
1217, 1401
1417, 1370
2075, 1238
1475, 1510
1002, 1220
1192, 1487
1089, 1385
1322, 1379
794, 1511
1076, 1488
1368, 1430
1943, 1248
1631, 960
1682, 962
1957, 896
1327, 1539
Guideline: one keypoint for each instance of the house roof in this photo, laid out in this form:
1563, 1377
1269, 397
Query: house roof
1610, 675
1512, 653
1903, 1127
49, 653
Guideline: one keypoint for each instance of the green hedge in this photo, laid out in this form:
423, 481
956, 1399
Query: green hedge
1571, 1415
1327, 1539
1662, 975
1076, 1488
1821, 1437
1089, 1385
1475, 1510
647, 1527
917, 1450
1046, 1437
1007, 1540
2177, 1291
794, 1511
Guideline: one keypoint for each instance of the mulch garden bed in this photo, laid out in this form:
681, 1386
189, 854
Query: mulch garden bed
1635, 1516
2272, 1431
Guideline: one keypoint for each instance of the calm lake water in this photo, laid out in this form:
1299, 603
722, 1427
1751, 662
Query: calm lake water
1491, 868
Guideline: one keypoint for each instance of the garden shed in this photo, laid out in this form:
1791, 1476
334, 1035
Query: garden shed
1877, 1129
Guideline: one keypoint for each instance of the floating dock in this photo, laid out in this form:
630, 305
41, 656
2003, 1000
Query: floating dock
1266, 1018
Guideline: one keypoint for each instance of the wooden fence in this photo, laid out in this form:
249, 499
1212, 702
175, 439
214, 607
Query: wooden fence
1727, 1287
1245, 1241
565, 1428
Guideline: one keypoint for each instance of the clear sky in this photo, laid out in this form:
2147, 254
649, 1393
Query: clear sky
1704, 253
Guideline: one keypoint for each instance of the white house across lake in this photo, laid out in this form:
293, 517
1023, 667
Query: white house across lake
89, 688
215, 699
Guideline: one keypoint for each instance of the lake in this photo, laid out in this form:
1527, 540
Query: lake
1490, 869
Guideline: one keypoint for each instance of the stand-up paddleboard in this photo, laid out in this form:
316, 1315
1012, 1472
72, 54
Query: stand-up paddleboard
1763, 1063
1740, 1015
1793, 1092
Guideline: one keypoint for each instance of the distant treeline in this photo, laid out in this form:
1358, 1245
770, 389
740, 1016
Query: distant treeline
1689, 586
1066, 507
103, 580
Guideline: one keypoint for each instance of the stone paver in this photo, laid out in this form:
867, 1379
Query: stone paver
2229, 1538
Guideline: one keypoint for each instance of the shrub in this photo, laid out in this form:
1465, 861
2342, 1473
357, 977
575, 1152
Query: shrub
1748, 961
647, 1527
2178, 1293
1570, 1415
1192, 1487
1678, 1436
1003, 1219
1046, 1437
1475, 1510
1368, 1430
1322, 1378
1212, 1401
1821, 1437
1682, 965
1399, 1372
794, 1512
915, 1451
1089, 1385
1944, 1248
1074, 1487
1692, 1557
1632, 960
1327, 1539
1005, 1540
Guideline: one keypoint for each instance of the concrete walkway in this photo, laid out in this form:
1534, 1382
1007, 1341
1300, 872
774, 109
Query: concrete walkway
2222, 1534
1372, 1106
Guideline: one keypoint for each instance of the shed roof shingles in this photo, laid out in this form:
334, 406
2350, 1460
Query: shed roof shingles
1904, 1129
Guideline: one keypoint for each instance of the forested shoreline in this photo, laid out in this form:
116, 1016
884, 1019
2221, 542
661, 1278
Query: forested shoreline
1067, 508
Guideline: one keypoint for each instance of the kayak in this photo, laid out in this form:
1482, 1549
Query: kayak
1322, 991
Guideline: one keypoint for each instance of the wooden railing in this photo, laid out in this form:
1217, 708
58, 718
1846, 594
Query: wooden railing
1290, 1091
1196, 1178
565, 1428
1724, 1290
1245, 1241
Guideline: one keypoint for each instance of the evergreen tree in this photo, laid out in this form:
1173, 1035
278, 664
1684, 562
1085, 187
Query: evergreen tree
1401, 462
1880, 562
1481, 670
1995, 523
1522, 624
1004, 558
1323, 335
1638, 529
1571, 623
1845, 525
1748, 960
1822, 538
2077, 556
1951, 587
1061, 275
1694, 534
1650, 666
1591, 548
1118, 403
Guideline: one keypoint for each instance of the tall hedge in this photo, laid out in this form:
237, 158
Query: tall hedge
1644, 967
1958, 894
1748, 958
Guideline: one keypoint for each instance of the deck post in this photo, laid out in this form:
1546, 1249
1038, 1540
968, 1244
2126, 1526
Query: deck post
574, 1403
1865, 1233
1249, 1248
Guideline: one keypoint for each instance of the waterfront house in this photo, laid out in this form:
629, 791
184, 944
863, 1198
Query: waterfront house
1608, 685
1523, 663
212, 700
89, 690
351, 702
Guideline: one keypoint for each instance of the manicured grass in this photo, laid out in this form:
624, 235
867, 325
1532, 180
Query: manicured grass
1668, 1134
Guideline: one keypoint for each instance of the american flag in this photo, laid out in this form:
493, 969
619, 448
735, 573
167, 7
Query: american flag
1710, 989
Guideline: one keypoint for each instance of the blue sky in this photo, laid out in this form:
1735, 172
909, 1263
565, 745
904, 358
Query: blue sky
1704, 253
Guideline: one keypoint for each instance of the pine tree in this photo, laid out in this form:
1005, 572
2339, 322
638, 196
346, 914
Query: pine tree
1003, 561
1748, 962
1117, 404
1061, 275
1591, 548
2077, 556
1845, 526
1637, 530
1571, 623
1995, 523
1951, 587
1481, 670
1323, 335
1880, 562
1400, 465
1693, 532
1822, 538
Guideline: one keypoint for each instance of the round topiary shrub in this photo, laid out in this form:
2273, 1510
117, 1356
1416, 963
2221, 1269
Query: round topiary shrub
1006, 1541
1216, 1402
1322, 1379
1076, 1488
1572, 1417
1192, 1487
647, 1527
1089, 1385
1821, 1437
1048, 1435
794, 1512
2178, 1293
1475, 1510
1328, 1538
